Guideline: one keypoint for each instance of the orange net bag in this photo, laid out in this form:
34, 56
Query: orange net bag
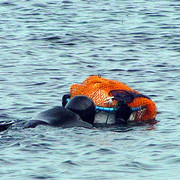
98, 89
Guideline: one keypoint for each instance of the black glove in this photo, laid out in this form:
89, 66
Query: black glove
123, 113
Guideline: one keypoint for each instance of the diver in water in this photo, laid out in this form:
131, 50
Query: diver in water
79, 111
96, 95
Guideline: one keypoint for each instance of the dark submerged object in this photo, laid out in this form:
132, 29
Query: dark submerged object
5, 124
79, 111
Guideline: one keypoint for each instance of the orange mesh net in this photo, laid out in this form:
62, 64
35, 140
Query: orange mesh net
98, 88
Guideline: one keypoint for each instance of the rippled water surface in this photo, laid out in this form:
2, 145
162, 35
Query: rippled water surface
47, 45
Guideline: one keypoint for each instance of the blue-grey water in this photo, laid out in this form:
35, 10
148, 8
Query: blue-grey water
46, 45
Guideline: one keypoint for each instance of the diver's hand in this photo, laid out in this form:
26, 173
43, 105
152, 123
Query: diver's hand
123, 113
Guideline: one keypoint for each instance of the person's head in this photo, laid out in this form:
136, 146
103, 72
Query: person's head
83, 106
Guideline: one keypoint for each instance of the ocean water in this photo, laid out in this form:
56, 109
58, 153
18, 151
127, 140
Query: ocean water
47, 45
